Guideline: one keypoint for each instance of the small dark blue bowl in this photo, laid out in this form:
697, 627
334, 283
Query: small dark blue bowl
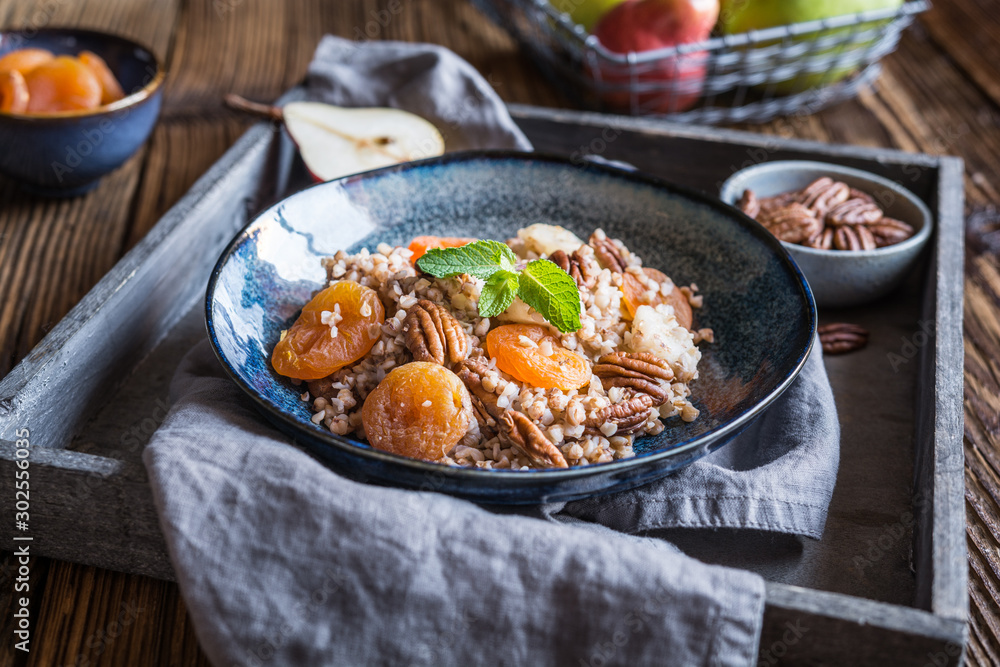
755, 299
65, 154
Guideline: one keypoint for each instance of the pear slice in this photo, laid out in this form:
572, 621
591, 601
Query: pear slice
337, 141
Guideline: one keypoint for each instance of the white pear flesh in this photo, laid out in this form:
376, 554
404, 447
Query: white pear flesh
336, 141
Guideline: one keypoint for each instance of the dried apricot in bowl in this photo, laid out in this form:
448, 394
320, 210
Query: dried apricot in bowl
637, 294
421, 244
531, 354
13, 92
24, 60
62, 84
111, 90
420, 410
338, 327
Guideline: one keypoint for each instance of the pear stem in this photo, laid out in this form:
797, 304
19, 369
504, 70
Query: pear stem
274, 113
255, 108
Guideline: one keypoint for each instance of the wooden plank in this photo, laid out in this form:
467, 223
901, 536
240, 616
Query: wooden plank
970, 31
92, 616
941, 540
50, 256
181, 150
261, 62
817, 628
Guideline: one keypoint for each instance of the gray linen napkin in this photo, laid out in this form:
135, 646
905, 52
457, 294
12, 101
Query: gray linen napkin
426, 79
282, 561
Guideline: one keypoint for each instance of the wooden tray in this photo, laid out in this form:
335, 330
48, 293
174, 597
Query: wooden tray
885, 585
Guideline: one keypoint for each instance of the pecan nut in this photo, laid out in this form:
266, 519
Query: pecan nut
641, 373
841, 338
823, 240
484, 403
853, 237
575, 265
627, 416
889, 231
809, 193
778, 201
863, 196
821, 200
749, 203
607, 253
525, 436
433, 334
793, 223
854, 212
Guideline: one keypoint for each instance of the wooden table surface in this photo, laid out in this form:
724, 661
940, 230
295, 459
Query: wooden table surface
939, 93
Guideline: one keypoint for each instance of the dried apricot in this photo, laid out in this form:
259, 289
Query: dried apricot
62, 84
421, 410
13, 92
24, 60
637, 294
338, 327
531, 354
422, 244
111, 90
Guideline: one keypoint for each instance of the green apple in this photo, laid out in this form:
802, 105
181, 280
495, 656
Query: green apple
738, 16
586, 12
743, 15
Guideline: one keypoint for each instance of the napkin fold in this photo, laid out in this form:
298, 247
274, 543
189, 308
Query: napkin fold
283, 561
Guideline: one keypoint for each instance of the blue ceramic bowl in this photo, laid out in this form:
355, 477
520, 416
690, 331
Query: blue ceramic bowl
66, 153
756, 299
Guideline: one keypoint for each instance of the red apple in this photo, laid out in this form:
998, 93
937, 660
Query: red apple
667, 85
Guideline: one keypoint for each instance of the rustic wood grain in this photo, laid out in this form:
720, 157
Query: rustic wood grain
939, 94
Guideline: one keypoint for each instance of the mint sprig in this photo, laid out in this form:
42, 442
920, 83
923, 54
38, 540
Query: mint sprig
480, 259
541, 284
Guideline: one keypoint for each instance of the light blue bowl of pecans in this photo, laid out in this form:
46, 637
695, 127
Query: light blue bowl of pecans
855, 235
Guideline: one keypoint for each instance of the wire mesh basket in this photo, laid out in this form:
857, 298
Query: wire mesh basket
749, 77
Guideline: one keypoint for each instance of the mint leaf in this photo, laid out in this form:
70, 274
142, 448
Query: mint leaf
480, 259
542, 284
552, 292
498, 293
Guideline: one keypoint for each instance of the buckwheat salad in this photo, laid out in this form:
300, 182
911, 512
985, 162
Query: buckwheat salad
542, 352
